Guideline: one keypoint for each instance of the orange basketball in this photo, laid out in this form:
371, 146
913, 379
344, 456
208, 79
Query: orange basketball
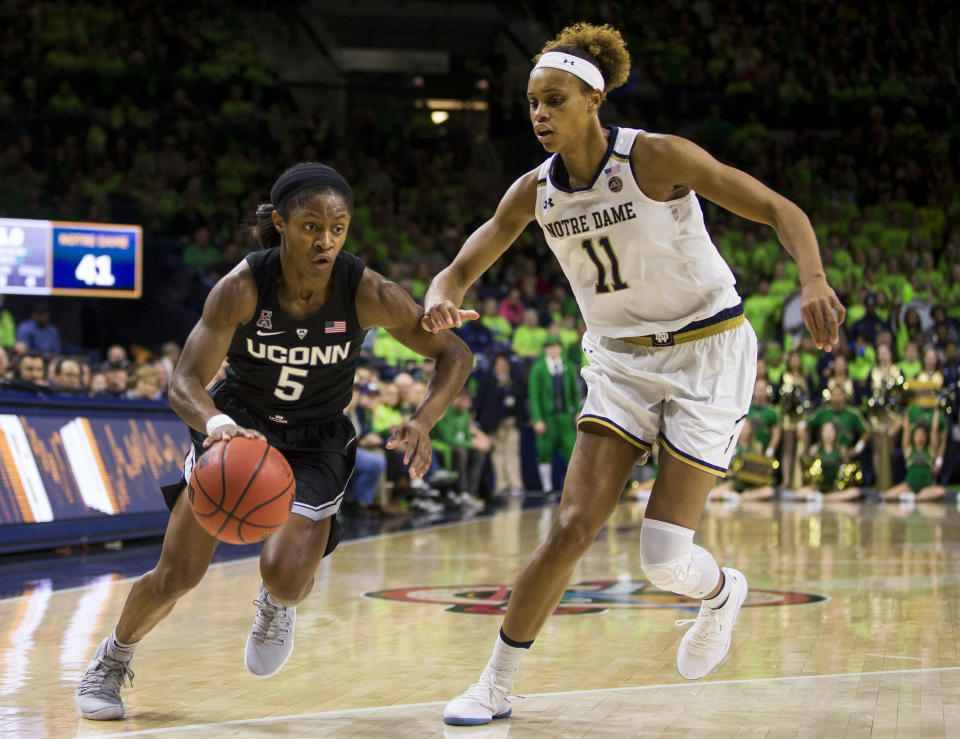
241, 490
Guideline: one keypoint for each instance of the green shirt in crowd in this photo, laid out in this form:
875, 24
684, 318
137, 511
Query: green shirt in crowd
390, 350
528, 342
454, 428
762, 312
909, 370
764, 420
8, 328
384, 418
499, 327
849, 422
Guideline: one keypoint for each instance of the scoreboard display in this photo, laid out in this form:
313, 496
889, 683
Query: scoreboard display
67, 258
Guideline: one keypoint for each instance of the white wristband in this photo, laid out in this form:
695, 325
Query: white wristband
768, 452
215, 422
858, 447
938, 462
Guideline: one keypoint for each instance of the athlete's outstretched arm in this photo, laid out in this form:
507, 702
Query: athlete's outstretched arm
231, 303
383, 303
678, 161
479, 251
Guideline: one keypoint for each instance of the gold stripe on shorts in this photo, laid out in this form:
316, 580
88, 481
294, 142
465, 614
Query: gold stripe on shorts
684, 336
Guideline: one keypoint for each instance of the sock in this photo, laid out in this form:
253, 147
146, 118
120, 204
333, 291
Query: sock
720, 599
545, 469
506, 658
119, 650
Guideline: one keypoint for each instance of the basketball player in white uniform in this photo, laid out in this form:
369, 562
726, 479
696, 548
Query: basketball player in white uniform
671, 357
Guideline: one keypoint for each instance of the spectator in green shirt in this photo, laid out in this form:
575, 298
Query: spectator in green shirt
567, 331
909, 329
499, 327
852, 429
775, 364
864, 359
391, 351
201, 253
763, 311
764, 418
386, 413
910, 365
529, 337
465, 447
8, 327
783, 284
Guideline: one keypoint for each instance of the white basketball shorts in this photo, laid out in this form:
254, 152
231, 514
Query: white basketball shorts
693, 397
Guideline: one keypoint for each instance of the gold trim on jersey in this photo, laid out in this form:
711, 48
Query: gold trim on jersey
682, 337
620, 157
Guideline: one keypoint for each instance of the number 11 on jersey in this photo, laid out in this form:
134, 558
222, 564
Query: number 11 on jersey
602, 286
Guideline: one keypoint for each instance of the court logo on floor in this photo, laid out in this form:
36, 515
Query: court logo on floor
592, 596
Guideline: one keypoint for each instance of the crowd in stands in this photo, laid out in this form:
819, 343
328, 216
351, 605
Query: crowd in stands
33, 359
848, 109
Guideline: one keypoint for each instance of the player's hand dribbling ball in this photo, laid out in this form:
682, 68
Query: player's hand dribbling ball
241, 490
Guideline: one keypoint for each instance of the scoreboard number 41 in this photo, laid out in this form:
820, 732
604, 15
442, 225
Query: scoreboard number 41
95, 270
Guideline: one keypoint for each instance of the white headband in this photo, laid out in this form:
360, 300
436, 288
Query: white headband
574, 65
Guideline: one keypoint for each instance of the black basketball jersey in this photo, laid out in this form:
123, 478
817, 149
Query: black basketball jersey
297, 371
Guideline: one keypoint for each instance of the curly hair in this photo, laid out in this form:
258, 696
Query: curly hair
599, 45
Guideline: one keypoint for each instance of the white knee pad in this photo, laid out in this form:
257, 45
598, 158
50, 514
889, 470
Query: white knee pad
672, 562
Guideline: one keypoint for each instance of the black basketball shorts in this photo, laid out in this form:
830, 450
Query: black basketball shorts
321, 455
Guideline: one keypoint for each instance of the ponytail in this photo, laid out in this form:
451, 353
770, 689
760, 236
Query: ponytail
264, 232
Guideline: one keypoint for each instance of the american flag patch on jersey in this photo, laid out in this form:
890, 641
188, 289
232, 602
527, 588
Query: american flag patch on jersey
612, 170
335, 327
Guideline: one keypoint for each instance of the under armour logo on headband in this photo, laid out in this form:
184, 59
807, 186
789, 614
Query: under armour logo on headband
586, 71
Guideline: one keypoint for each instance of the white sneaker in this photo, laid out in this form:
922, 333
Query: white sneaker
471, 503
705, 646
426, 506
270, 642
481, 702
98, 696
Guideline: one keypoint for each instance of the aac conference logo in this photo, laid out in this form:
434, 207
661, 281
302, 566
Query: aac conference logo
592, 596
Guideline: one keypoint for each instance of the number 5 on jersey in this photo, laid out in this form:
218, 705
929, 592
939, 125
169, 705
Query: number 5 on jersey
602, 286
288, 388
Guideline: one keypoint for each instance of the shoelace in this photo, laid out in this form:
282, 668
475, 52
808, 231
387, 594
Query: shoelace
271, 624
485, 693
107, 676
706, 628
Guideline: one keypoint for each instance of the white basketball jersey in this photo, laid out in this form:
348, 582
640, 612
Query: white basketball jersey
636, 266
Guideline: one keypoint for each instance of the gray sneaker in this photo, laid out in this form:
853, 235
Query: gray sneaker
271, 639
98, 696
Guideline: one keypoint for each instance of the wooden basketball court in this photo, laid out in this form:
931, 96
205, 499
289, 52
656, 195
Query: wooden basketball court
851, 630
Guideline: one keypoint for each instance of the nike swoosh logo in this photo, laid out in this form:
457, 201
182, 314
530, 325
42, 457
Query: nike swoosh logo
269, 333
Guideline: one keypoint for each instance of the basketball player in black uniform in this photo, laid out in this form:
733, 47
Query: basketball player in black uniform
290, 320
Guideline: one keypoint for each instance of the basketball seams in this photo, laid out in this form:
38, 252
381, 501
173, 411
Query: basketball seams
230, 515
196, 485
223, 473
242, 521
223, 487
271, 463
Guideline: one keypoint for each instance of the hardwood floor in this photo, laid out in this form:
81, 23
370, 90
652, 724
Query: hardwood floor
849, 630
